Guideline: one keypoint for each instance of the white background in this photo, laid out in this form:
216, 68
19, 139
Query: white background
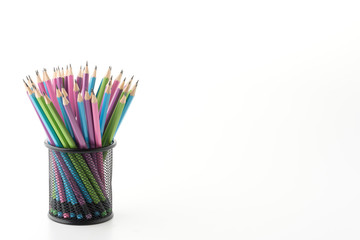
245, 124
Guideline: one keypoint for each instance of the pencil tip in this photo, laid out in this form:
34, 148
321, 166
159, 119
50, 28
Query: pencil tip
70, 65
110, 67
86, 63
121, 71
132, 77
95, 67
37, 72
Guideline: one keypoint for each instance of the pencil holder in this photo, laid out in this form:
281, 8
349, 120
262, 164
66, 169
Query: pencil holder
80, 185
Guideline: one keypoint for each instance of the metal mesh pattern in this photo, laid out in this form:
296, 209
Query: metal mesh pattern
80, 186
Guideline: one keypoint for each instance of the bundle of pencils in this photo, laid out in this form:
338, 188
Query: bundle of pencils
73, 117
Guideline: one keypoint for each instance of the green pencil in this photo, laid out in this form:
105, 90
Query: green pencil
102, 87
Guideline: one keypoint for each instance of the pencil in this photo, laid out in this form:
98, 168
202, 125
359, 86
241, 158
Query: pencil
97, 132
70, 90
113, 102
102, 87
83, 119
65, 117
92, 81
85, 84
79, 79
116, 84
40, 84
77, 132
89, 120
104, 109
111, 127
127, 105
66, 79
107, 86
76, 93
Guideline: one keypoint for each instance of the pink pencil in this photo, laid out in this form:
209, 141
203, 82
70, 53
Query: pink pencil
51, 90
115, 84
40, 83
97, 132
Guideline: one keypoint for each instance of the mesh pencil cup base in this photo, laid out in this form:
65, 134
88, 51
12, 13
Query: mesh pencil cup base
76, 222
80, 190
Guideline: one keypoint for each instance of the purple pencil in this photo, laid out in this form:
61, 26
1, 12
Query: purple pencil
79, 138
66, 80
75, 94
79, 79
85, 83
89, 119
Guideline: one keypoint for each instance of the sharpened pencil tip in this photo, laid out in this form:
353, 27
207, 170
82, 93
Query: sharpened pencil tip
136, 82
86, 63
132, 77
121, 71
37, 73
110, 67
70, 65
44, 69
95, 67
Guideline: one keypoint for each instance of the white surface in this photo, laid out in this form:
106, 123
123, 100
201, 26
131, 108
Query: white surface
245, 124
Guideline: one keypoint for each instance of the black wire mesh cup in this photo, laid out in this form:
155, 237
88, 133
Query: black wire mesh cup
80, 185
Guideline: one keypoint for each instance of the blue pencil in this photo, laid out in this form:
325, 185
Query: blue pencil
104, 109
92, 81
83, 123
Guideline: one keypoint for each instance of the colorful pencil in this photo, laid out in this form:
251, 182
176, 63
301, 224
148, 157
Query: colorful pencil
104, 109
127, 105
85, 83
114, 101
116, 84
79, 79
83, 119
89, 120
102, 87
92, 81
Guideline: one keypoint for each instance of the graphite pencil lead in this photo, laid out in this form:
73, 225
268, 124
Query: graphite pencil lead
95, 67
86, 63
37, 72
